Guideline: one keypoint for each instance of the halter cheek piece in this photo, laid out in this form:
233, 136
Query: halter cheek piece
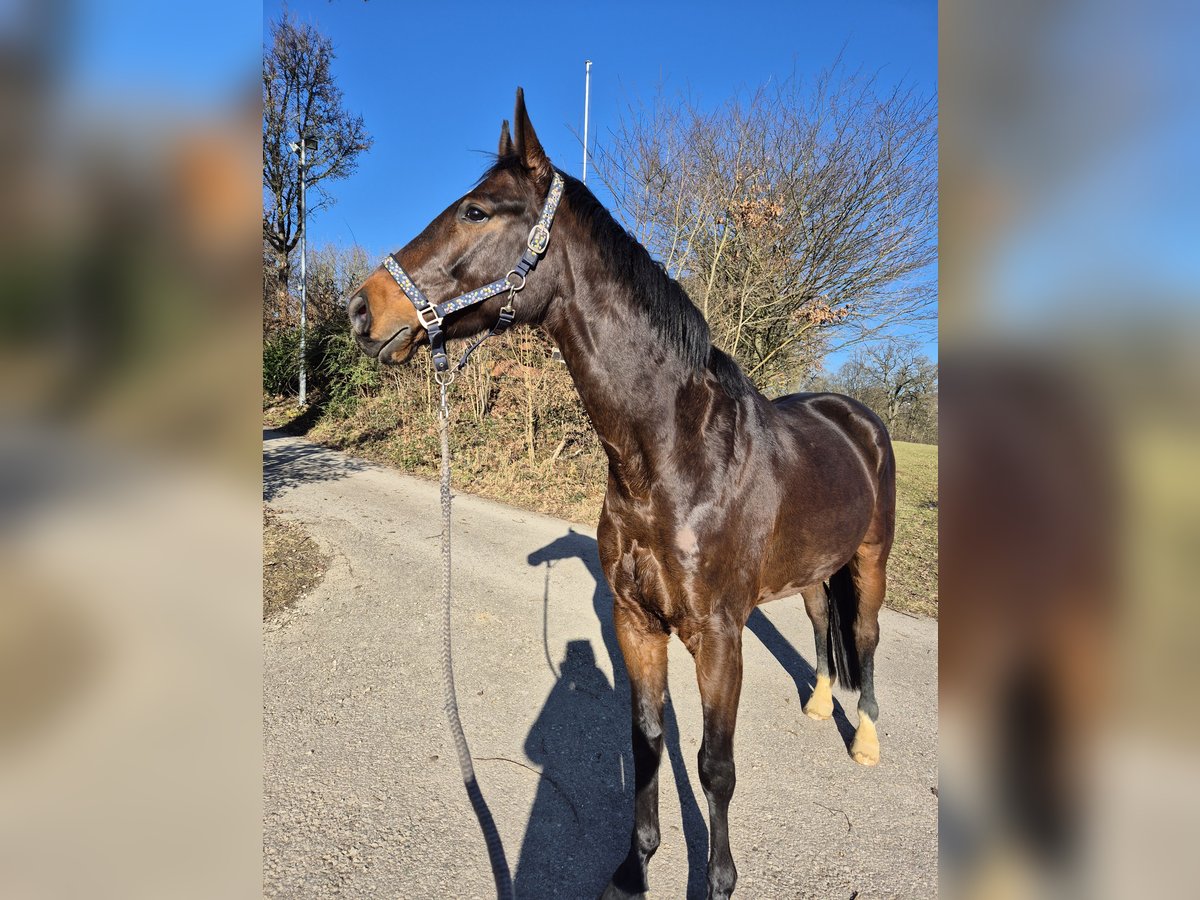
432, 314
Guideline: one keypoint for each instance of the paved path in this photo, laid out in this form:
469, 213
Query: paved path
363, 796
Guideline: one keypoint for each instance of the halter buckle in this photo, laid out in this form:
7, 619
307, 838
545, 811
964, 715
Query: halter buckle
539, 238
431, 319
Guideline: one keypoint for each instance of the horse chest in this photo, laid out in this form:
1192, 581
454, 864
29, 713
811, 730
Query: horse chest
674, 570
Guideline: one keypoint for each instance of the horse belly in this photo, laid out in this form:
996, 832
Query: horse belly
818, 530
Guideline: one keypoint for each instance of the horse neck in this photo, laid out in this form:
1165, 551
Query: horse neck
640, 394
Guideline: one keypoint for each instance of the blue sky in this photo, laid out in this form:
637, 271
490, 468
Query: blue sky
433, 85
189, 56
433, 81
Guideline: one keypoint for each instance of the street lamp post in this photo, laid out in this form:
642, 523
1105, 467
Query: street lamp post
305, 144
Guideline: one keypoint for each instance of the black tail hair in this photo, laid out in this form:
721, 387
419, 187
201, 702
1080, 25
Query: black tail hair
843, 608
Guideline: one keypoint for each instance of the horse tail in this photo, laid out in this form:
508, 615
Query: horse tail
843, 608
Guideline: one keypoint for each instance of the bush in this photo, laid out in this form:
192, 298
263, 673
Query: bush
338, 374
281, 362
343, 372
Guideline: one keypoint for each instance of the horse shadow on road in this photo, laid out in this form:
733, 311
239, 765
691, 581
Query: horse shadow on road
578, 829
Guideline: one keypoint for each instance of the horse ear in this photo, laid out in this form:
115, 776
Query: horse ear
506, 144
529, 148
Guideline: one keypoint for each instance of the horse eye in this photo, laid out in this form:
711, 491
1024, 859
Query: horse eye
475, 214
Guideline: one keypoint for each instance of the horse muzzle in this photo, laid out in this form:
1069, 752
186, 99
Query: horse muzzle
400, 347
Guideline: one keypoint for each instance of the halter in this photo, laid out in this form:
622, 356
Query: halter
432, 314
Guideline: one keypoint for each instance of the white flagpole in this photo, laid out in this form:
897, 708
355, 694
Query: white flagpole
587, 86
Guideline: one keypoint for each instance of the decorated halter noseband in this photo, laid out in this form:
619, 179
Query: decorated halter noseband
432, 314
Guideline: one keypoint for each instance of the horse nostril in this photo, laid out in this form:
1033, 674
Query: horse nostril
360, 315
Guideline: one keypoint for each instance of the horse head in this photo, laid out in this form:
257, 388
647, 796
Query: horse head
473, 242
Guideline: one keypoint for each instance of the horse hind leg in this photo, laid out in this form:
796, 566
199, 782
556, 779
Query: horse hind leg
856, 595
820, 702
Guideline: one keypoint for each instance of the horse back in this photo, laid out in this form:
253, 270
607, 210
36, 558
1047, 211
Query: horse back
809, 413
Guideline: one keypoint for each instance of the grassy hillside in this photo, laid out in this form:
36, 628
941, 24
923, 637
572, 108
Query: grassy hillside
564, 474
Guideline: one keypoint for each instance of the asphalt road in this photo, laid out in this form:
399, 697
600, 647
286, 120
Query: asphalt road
362, 791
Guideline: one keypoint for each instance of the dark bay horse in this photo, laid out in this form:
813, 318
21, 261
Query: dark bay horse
718, 499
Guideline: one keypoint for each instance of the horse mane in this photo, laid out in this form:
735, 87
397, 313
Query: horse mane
659, 297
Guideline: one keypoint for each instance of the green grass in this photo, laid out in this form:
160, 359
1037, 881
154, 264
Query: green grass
913, 565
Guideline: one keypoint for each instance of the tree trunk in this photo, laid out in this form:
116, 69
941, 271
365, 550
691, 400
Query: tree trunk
283, 305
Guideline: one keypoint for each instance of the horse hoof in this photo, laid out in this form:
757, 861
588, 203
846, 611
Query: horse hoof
819, 711
865, 749
867, 757
820, 704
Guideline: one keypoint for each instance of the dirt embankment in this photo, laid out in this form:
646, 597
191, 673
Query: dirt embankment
292, 564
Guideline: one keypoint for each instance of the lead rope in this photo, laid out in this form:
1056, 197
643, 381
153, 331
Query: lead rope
491, 836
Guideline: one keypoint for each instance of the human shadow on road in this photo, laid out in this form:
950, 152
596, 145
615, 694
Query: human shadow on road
575, 741
288, 466
798, 667
579, 826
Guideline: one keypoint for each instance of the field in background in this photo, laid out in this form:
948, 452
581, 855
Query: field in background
913, 565
548, 461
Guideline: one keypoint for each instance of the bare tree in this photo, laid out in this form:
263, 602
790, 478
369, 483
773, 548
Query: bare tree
801, 219
301, 98
332, 273
898, 382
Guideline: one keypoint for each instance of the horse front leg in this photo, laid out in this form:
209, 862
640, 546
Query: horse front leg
644, 647
718, 652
